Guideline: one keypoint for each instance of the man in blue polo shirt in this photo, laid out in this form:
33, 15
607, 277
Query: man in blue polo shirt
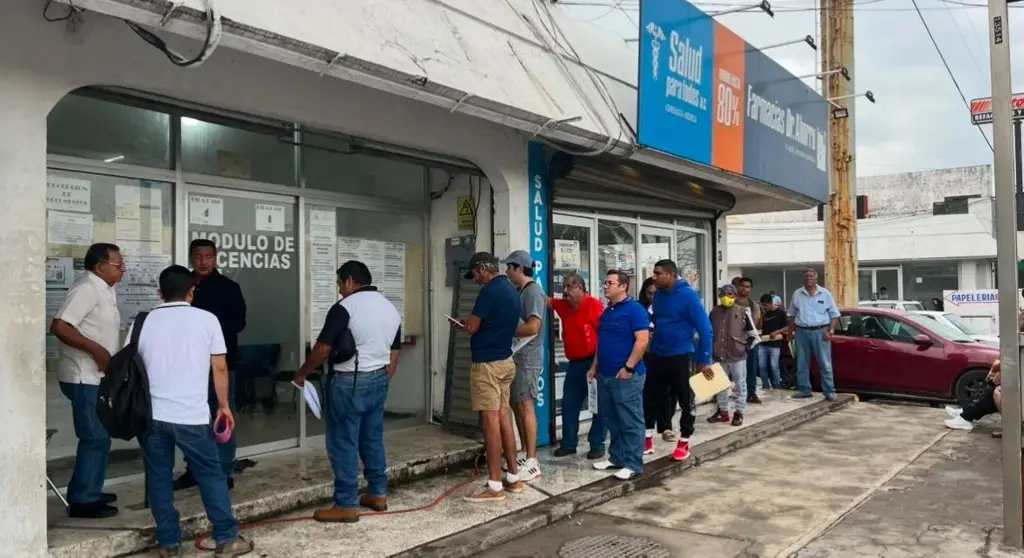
622, 337
814, 320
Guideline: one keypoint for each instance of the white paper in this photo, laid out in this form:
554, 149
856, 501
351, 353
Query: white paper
73, 229
322, 223
144, 269
68, 194
311, 396
269, 217
205, 210
592, 396
60, 272
520, 342
132, 299
139, 217
323, 250
386, 262
128, 200
567, 254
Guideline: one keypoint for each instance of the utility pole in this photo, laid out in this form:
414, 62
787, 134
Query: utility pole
841, 217
1006, 259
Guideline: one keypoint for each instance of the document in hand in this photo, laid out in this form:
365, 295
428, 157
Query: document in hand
704, 389
520, 342
312, 398
592, 396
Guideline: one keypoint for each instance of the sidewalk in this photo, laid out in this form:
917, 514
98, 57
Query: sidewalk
389, 535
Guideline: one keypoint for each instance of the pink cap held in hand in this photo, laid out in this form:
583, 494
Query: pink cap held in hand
221, 430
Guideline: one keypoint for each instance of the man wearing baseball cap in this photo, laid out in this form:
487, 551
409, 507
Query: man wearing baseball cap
492, 326
529, 359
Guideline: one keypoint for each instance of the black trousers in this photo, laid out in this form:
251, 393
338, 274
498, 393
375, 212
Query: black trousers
668, 383
984, 405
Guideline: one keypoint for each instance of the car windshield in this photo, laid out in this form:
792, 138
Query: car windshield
913, 306
962, 324
950, 333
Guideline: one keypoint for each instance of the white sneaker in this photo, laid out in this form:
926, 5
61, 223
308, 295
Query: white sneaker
953, 412
959, 423
529, 470
624, 474
520, 463
603, 465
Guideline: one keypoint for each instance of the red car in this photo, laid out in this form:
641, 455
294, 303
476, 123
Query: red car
886, 352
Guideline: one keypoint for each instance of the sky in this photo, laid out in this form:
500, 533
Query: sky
919, 120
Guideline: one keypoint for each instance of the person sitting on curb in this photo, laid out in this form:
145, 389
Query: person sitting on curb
990, 401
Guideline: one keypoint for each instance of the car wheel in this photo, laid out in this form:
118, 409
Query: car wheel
970, 386
787, 371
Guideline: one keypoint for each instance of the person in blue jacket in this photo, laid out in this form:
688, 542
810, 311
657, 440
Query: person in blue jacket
678, 314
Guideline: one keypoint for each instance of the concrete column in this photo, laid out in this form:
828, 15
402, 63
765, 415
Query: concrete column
24, 104
968, 274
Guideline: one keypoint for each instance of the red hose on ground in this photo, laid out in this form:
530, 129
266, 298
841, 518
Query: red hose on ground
200, 542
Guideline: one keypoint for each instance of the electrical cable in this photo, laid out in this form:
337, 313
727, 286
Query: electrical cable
214, 31
201, 541
73, 12
949, 71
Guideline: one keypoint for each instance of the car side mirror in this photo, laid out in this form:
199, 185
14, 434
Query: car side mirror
922, 340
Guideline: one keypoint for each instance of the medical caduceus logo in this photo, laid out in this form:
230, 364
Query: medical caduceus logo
657, 37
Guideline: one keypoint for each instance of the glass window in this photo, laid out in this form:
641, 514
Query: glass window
923, 281
795, 280
690, 259
266, 156
768, 280
616, 249
655, 245
961, 324
849, 325
256, 247
392, 246
333, 165
104, 131
83, 208
886, 328
947, 332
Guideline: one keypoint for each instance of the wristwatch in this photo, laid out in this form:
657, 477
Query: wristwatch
629, 368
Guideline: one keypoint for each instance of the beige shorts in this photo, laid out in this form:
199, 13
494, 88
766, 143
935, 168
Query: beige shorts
490, 384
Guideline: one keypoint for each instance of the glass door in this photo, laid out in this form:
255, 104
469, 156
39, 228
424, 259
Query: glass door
865, 284
257, 237
572, 253
880, 283
655, 245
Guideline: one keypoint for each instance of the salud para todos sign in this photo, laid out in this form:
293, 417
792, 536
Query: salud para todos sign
708, 96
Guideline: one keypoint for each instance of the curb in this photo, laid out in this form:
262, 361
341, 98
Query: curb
128, 541
503, 529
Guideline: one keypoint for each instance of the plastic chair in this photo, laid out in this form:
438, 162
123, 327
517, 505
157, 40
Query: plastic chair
256, 362
49, 434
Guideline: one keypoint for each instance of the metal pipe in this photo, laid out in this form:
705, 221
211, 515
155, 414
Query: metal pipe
1006, 258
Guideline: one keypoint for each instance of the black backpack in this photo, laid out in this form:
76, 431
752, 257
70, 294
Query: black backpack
124, 406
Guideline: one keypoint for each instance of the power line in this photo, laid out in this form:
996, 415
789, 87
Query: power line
949, 71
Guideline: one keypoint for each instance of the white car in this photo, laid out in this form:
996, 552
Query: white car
901, 305
957, 322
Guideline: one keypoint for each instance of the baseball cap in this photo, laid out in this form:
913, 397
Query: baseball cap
727, 290
478, 259
520, 258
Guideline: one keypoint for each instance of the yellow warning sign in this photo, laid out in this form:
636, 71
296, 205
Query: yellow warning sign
466, 213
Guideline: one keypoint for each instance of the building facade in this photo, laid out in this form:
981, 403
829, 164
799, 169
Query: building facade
304, 141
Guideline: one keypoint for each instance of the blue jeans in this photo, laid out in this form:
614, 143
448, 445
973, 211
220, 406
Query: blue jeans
225, 451
621, 404
200, 448
813, 340
751, 372
575, 394
355, 430
93, 444
768, 361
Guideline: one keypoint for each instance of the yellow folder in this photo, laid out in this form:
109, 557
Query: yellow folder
705, 389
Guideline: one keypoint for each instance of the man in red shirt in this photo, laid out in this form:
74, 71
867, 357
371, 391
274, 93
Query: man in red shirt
580, 314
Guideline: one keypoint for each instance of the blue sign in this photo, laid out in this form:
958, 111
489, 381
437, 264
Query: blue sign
677, 44
539, 200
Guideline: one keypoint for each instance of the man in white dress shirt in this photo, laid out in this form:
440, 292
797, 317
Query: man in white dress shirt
87, 326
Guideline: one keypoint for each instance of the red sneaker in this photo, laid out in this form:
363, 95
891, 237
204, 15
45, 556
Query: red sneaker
648, 445
682, 451
719, 416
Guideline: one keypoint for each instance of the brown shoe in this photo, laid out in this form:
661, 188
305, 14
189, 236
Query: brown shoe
513, 487
668, 436
237, 547
485, 495
334, 514
375, 503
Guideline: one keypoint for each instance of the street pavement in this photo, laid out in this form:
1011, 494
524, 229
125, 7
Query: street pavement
872, 480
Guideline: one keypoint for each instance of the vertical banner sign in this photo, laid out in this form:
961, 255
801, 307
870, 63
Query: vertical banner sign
537, 169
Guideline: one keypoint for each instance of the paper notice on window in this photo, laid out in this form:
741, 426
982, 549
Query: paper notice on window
144, 269
323, 265
54, 300
68, 194
386, 262
567, 254
269, 217
60, 272
132, 299
322, 223
205, 210
139, 217
74, 229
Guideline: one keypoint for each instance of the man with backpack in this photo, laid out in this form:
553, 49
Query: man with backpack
88, 325
361, 338
178, 345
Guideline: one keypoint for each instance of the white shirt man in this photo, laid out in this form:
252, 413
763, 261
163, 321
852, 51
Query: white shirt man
91, 308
